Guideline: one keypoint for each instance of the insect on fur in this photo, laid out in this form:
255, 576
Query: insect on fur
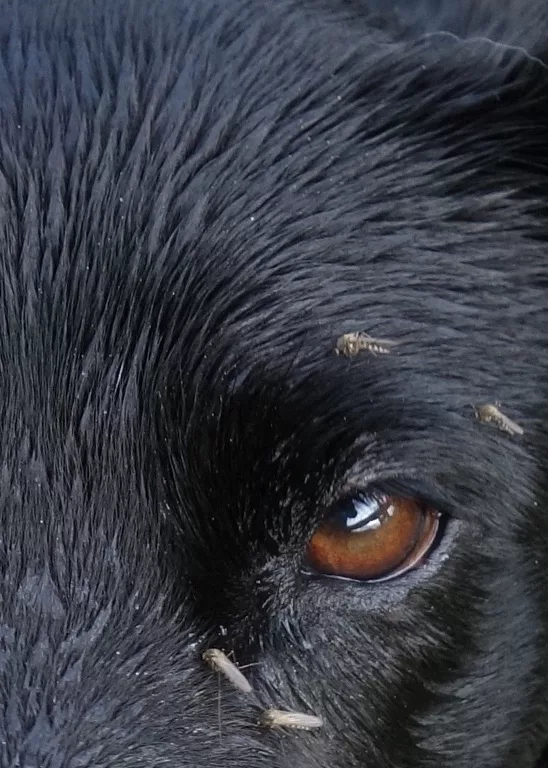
351, 344
490, 414
279, 718
220, 662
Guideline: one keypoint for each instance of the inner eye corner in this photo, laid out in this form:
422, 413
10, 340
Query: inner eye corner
374, 535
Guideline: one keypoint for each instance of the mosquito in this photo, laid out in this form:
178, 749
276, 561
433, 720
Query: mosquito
490, 414
220, 662
279, 718
351, 344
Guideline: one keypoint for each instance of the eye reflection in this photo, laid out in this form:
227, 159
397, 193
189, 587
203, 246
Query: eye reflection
361, 513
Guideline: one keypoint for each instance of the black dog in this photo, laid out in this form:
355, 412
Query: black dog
201, 203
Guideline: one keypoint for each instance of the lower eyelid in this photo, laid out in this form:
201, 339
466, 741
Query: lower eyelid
382, 596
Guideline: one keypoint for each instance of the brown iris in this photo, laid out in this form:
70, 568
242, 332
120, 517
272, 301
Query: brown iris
373, 537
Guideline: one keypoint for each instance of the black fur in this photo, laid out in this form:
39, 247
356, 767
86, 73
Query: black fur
197, 198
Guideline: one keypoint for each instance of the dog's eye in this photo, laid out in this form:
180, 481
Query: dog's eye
373, 537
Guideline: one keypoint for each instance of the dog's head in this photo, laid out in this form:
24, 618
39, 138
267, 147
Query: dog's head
273, 381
